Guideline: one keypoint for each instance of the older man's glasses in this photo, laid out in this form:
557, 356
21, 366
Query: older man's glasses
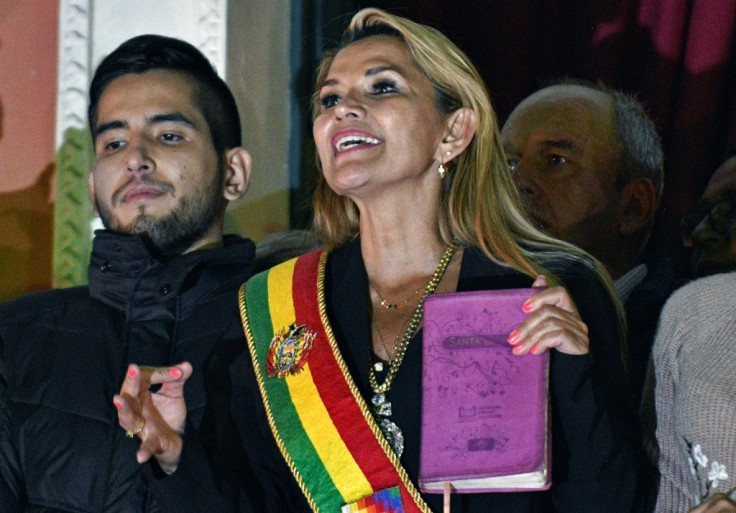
721, 217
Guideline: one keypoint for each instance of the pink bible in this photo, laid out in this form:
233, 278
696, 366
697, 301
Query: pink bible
485, 411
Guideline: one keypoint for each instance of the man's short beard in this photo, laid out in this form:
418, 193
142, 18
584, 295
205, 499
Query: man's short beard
175, 232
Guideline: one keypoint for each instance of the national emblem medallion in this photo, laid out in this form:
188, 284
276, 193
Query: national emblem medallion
288, 351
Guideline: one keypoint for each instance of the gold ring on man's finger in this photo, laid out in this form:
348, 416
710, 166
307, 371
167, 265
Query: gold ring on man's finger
131, 434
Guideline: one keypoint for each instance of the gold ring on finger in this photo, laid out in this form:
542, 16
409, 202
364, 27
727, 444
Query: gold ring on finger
131, 434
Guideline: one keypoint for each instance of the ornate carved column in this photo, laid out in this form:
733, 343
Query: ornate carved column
73, 210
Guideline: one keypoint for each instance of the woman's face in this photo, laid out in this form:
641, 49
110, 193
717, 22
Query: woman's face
378, 125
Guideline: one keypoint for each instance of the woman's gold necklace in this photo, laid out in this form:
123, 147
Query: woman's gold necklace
382, 407
395, 306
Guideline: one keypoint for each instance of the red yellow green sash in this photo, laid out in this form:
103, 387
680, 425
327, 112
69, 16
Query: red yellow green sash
321, 423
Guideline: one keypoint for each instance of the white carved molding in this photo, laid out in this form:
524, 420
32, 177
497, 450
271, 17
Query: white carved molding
213, 32
73, 73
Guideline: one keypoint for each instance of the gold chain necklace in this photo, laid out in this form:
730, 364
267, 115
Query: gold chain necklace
401, 346
394, 306
382, 407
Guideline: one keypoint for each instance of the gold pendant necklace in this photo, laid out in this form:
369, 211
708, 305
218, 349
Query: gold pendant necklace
382, 407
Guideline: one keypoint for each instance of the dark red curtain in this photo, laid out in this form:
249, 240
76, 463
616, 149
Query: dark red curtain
677, 56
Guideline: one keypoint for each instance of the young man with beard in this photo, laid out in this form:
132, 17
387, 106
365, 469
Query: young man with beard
162, 290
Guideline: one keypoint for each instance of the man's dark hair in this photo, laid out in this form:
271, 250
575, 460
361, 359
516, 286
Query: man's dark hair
152, 52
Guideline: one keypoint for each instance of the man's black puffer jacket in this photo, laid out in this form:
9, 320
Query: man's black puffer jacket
63, 355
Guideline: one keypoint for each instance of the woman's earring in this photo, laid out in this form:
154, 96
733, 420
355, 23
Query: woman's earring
442, 170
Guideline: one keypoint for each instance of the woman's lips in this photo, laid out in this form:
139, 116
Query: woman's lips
349, 140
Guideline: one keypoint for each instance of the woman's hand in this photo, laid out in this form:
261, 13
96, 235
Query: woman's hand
553, 323
157, 418
719, 503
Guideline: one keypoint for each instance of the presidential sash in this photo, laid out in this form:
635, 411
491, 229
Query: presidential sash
321, 423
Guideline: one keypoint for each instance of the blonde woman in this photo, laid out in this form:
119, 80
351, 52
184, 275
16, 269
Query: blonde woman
415, 198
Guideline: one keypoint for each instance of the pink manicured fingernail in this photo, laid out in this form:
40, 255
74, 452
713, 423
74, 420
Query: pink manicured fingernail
534, 349
513, 337
527, 306
117, 404
517, 349
175, 373
131, 372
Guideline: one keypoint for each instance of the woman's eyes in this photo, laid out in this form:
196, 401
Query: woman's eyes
383, 87
329, 100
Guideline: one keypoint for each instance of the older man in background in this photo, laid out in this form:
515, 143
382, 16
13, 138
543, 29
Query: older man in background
588, 162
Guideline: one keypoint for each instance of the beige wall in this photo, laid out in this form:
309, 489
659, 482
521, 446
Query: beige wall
258, 74
28, 53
